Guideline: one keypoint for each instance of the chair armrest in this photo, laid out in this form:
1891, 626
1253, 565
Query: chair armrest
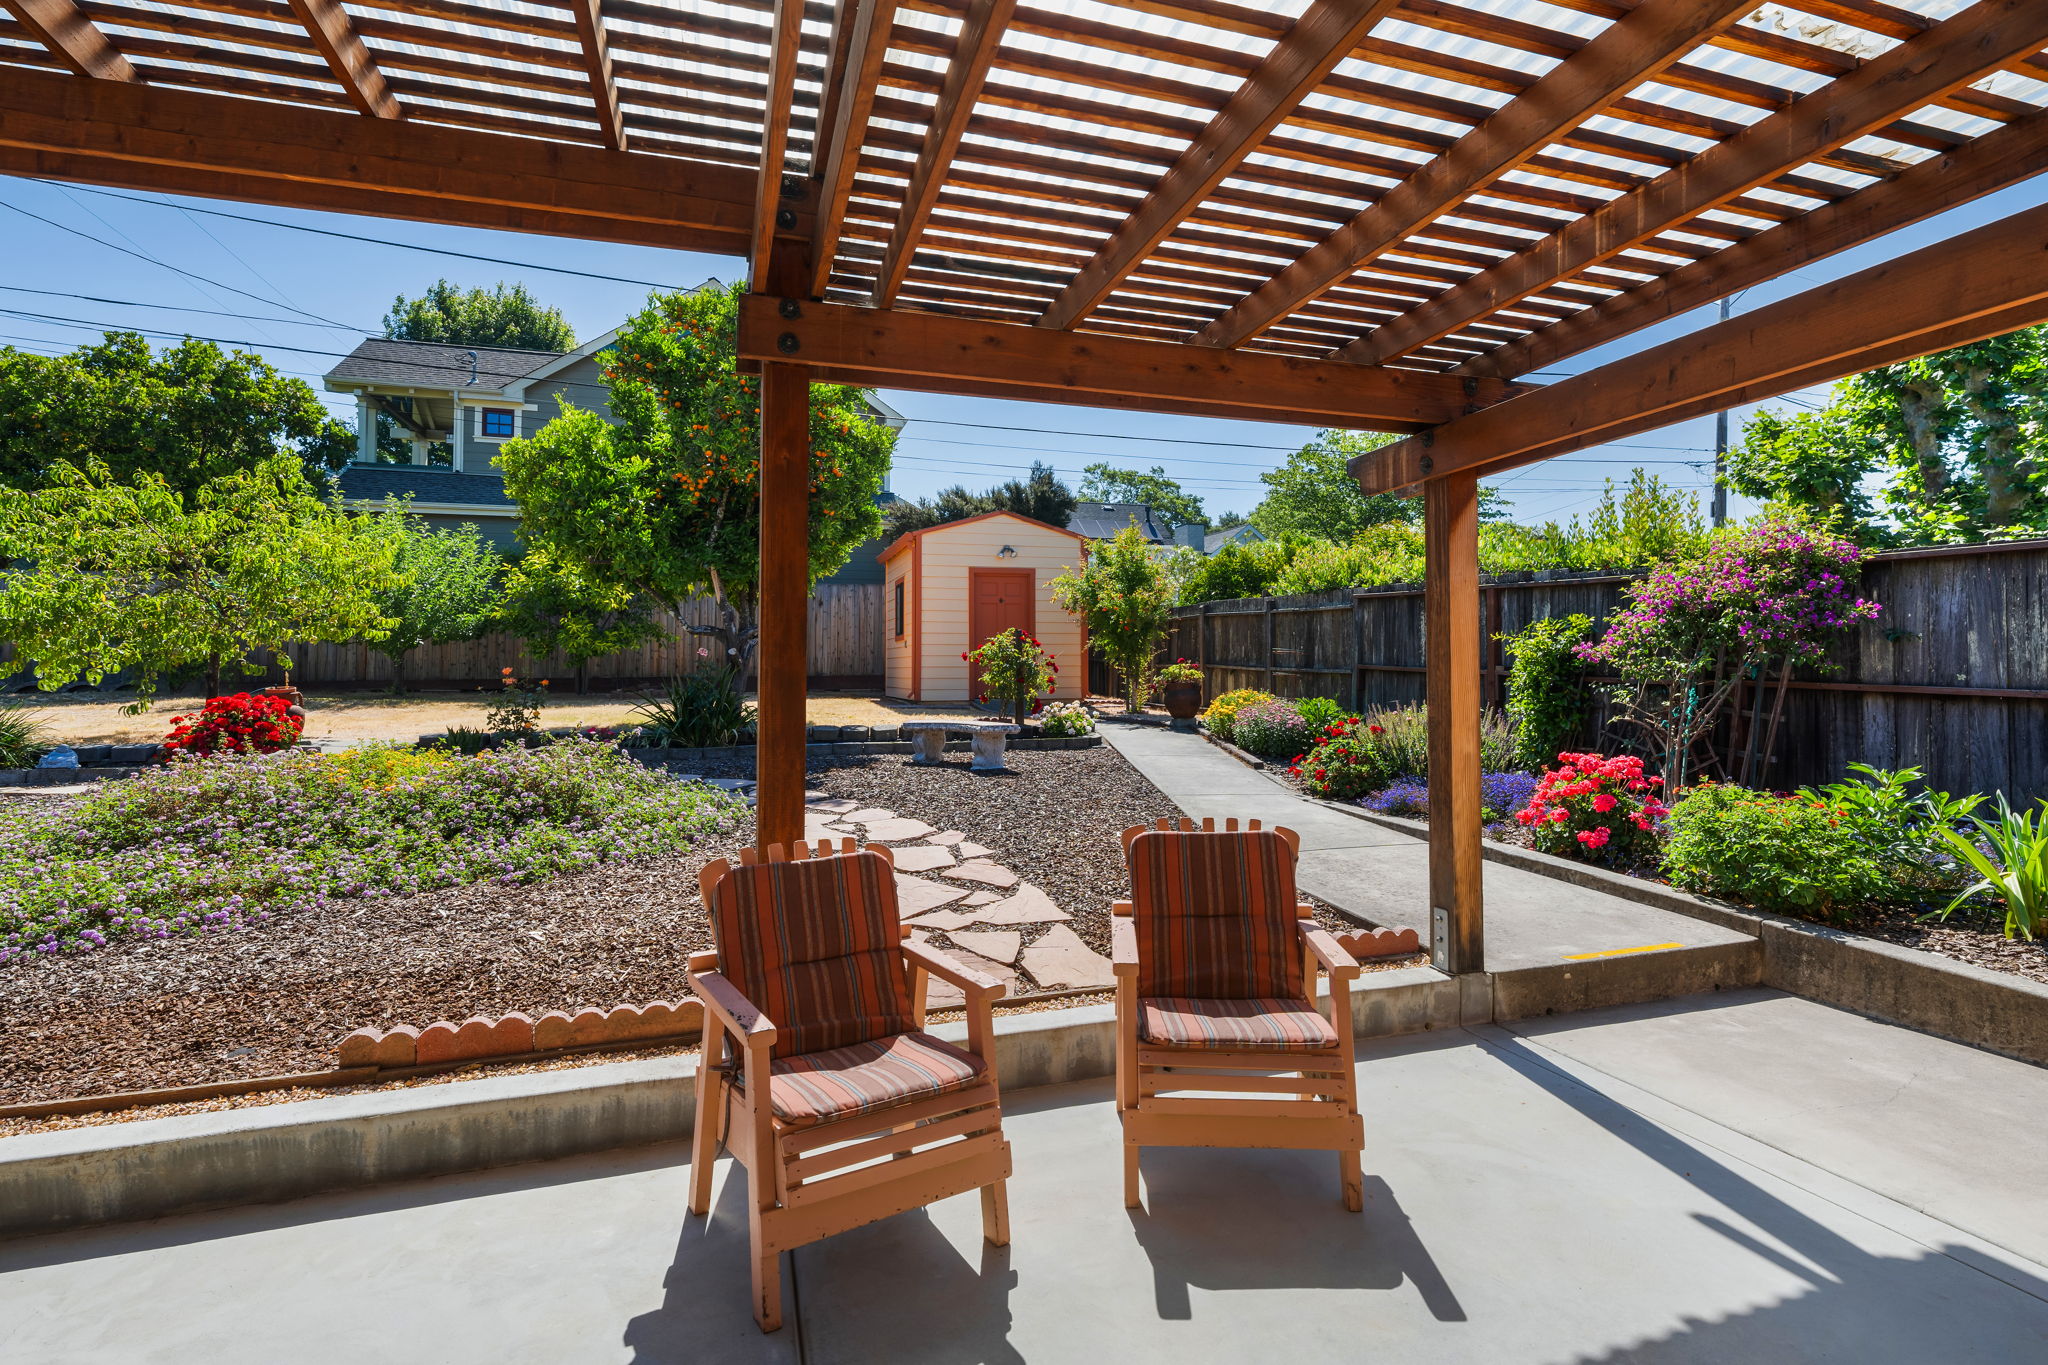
1323, 945
946, 969
1121, 909
1123, 947
732, 1009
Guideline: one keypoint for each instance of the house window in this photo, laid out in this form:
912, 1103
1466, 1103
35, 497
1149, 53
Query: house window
497, 422
899, 608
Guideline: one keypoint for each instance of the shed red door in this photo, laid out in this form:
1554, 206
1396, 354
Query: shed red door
998, 599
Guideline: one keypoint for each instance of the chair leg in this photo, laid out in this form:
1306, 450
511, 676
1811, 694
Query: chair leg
995, 1213
1131, 1200
768, 1290
1351, 1168
704, 1142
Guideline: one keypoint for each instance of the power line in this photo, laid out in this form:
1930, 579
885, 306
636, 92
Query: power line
142, 256
384, 241
170, 307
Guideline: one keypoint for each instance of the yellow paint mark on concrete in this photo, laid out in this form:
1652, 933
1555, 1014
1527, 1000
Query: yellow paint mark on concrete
1619, 952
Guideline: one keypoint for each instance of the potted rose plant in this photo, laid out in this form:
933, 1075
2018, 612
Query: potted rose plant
1180, 687
1014, 668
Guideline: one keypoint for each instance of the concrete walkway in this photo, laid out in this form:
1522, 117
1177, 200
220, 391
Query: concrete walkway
1747, 1177
1532, 921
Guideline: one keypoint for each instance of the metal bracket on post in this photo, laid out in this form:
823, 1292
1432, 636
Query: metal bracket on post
1440, 938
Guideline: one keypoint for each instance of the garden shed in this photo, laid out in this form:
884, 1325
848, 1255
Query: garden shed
948, 588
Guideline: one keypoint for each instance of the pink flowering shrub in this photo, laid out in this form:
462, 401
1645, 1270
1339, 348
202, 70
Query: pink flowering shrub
1595, 809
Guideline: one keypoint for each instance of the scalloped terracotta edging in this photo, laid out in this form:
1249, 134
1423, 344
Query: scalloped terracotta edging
1372, 943
513, 1035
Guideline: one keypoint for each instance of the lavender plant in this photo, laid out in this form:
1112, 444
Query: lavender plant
205, 846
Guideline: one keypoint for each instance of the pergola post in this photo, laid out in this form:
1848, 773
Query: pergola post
782, 650
1451, 628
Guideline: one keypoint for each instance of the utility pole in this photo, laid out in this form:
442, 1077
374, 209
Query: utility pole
1721, 444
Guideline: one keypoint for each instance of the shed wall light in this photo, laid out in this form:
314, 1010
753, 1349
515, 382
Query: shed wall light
1007, 552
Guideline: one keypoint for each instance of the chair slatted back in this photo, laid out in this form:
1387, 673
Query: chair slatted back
1215, 913
815, 942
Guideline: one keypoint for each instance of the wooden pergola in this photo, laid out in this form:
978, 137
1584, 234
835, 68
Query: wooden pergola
1374, 214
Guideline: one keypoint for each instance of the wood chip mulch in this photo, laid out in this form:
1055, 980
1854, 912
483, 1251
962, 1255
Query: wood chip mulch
274, 1000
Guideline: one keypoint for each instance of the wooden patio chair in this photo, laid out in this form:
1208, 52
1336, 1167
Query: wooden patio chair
816, 1067
1216, 966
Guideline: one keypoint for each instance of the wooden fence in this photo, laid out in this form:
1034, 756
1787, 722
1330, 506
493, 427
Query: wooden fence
1951, 678
845, 635
845, 652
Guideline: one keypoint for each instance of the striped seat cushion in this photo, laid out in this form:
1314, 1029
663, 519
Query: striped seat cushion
816, 944
1270, 1025
873, 1075
1215, 914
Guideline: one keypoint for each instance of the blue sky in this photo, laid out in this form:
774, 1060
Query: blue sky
302, 300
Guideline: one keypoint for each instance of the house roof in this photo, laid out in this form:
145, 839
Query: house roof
372, 482
431, 364
903, 541
1101, 520
1242, 533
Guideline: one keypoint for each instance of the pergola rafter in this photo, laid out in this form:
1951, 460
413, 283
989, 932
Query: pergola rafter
1972, 45
72, 38
1651, 37
1372, 215
334, 33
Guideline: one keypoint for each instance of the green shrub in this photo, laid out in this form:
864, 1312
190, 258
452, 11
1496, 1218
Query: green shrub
1903, 828
1320, 712
698, 710
1223, 711
208, 845
23, 740
1793, 853
1547, 698
463, 739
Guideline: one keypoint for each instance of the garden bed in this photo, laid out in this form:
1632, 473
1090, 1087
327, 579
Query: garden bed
274, 998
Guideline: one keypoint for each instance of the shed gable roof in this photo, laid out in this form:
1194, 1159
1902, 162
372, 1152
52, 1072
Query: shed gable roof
904, 541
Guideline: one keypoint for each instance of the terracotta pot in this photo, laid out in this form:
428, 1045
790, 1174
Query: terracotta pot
289, 693
1182, 699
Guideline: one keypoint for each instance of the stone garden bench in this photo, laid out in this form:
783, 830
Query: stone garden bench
990, 738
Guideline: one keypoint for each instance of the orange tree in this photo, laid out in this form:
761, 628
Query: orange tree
665, 497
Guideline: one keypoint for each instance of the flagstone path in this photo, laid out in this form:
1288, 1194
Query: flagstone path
959, 896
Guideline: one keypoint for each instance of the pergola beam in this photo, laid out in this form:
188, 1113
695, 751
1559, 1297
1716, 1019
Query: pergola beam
1633, 49
936, 351
151, 137
981, 35
73, 39
597, 66
1979, 167
1981, 284
1298, 63
868, 23
334, 33
1974, 44
785, 36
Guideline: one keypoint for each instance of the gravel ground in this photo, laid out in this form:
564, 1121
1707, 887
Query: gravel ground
274, 1000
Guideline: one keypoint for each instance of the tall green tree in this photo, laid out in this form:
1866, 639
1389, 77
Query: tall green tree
503, 315
554, 607
1949, 447
444, 586
1312, 493
187, 414
109, 575
1109, 483
666, 498
1124, 596
1042, 497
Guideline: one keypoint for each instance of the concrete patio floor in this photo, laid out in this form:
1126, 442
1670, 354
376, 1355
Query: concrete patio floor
1746, 1177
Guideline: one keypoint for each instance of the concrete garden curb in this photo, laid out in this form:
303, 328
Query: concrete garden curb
153, 1168
1995, 1011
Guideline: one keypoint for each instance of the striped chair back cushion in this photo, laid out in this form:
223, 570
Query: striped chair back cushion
1215, 914
815, 943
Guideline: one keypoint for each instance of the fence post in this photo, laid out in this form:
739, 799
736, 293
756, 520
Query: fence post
1272, 678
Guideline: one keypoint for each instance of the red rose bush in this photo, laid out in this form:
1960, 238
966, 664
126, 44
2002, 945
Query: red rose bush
1596, 809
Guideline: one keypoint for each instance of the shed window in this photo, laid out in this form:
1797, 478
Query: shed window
497, 421
899, 608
